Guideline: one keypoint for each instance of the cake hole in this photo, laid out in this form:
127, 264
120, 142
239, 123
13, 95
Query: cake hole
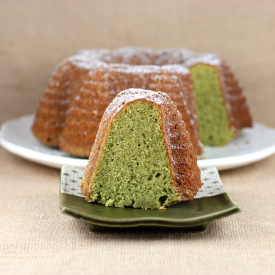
162, 199
158, 175
150, 177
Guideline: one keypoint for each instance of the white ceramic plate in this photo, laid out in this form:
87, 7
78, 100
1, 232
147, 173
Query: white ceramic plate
249, 146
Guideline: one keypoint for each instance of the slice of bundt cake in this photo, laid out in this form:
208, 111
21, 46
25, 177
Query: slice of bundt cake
142, 156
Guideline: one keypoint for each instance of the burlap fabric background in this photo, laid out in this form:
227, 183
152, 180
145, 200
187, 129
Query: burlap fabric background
35, 35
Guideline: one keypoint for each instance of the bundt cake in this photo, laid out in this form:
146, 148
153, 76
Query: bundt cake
83, 85
142, 156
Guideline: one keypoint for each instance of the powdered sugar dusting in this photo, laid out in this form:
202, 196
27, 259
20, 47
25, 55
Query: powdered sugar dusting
135, 60
211, 59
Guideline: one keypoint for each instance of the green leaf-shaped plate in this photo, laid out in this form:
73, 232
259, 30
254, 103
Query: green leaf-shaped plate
211, 202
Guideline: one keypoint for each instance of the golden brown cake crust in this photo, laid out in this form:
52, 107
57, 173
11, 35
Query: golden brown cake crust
58, 96
182, 158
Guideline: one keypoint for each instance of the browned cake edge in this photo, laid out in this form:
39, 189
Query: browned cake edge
235, 99
58, 96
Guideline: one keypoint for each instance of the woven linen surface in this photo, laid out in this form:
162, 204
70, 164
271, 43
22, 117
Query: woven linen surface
35, 238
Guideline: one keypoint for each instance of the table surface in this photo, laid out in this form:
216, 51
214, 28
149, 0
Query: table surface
34, 236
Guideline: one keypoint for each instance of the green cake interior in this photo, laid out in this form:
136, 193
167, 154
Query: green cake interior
213, 118
133, 169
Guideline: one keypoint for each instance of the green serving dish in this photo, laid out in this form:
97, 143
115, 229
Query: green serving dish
211, 202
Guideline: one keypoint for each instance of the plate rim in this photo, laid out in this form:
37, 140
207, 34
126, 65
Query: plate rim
58, 161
